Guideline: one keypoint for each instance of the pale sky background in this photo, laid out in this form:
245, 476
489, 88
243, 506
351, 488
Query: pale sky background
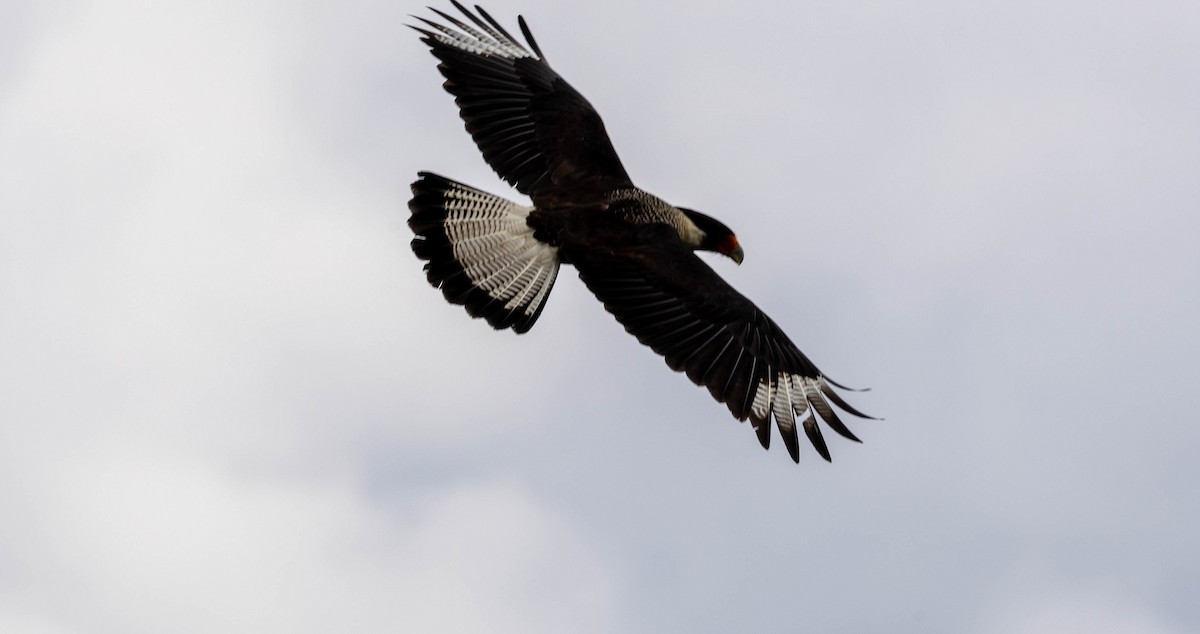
231, 403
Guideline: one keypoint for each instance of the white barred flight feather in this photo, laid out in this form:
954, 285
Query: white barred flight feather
481, 252
633, 250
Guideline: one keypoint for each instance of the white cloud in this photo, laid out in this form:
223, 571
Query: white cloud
127, 537
204, 335
1032, 599
231, 402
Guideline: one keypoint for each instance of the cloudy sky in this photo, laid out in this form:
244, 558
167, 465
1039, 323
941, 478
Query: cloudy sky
231, 403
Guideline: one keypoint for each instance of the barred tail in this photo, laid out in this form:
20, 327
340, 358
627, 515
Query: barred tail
480, 251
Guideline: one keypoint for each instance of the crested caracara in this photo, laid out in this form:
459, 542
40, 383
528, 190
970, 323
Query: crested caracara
633, 250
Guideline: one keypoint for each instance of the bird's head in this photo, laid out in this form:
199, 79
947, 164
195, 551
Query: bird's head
717, 237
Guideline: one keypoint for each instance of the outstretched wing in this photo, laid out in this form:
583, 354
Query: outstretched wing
533, 128
673, 302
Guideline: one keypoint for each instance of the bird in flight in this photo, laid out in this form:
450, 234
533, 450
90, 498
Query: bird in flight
632, 249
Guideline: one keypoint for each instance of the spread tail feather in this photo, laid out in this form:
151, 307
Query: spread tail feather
480, 251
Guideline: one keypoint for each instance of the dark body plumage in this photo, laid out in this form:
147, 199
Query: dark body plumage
633, 250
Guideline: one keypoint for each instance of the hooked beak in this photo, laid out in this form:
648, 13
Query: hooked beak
732, 249
737, 255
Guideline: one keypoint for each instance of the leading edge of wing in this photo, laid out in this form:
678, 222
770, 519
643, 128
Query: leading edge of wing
535, 130
673, 302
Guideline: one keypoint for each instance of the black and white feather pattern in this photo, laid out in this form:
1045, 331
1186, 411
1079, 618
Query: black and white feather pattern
634, 251
673, 302
532, 127
481, 252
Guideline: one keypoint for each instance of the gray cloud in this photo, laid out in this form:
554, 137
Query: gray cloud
233, 403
